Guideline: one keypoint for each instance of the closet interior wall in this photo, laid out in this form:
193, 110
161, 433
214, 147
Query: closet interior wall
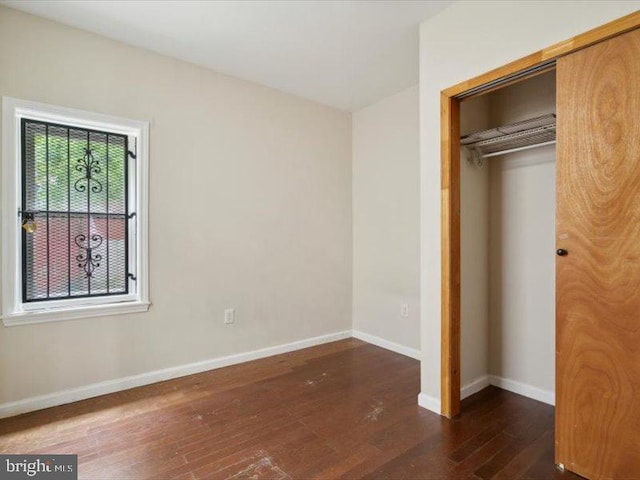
474, 253
507, 250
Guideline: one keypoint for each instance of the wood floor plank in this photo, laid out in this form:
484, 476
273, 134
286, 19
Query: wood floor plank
525, 459
343, 410
465, 468
533, 428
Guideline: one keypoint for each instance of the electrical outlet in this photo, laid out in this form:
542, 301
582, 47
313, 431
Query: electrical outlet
229, 316
404, 310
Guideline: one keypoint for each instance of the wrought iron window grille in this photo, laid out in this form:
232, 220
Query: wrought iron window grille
74, 212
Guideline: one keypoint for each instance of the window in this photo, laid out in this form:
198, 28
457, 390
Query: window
74, 214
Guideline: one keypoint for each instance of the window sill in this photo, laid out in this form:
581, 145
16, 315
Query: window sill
73, 313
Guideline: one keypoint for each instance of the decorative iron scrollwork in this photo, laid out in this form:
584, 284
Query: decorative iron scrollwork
90, 167
88, 260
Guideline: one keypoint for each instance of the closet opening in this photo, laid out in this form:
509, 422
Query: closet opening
452, 98
507, 237
501, 268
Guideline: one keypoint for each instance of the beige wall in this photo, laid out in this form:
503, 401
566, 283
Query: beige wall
250, 208
474, 249
386, 247
465, 40
522, 239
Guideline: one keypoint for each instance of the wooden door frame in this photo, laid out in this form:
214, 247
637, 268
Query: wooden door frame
450, 99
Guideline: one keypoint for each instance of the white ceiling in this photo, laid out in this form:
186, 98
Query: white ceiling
346, 54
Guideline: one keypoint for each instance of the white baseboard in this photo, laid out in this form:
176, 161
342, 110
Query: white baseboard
433, 404
81, 393
430, 403
545, 396
110, 386
513, 386
475, 386
381, 342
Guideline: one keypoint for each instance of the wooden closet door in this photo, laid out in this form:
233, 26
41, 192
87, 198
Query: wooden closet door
598, 278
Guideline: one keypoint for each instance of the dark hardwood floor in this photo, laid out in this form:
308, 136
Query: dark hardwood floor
341, 410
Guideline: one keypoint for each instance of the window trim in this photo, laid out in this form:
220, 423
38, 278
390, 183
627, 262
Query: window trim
14, 311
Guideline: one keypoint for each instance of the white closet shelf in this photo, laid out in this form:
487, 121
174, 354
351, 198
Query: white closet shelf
531, 133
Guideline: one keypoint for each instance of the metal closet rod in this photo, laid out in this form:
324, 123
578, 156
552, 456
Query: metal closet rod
518, 149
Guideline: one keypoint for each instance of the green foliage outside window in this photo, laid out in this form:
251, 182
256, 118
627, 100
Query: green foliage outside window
63, 174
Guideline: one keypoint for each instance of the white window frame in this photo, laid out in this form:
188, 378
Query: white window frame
14, 311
